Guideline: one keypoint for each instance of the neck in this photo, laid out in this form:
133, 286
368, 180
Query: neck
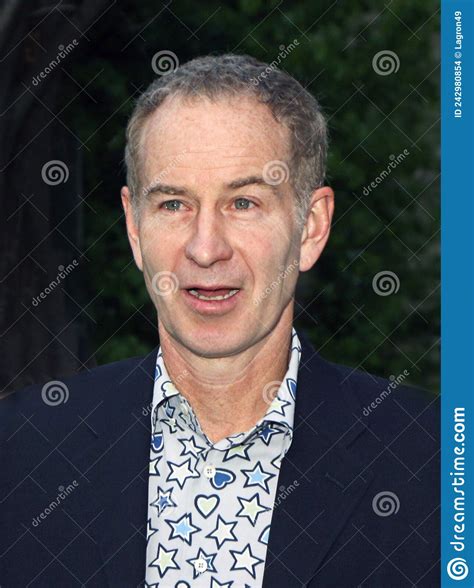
229, 395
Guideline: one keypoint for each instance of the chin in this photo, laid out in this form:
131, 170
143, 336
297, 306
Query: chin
207, 341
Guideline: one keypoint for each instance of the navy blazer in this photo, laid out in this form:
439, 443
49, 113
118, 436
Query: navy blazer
358, 492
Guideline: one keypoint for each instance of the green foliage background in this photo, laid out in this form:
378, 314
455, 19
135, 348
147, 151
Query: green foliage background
371, 117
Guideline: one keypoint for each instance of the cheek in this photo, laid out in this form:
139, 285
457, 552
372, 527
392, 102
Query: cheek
148, 273
160, 262
268, 264
274, 264
156, 247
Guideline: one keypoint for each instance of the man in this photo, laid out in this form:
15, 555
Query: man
233, 454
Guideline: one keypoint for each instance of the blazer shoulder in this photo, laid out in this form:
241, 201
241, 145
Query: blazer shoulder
59, 401
388, 405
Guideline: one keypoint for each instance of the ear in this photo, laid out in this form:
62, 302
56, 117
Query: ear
317, 227
132, 229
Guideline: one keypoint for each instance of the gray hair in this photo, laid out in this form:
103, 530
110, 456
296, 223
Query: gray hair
214, 77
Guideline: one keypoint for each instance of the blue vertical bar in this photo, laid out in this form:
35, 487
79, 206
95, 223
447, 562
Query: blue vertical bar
457, 268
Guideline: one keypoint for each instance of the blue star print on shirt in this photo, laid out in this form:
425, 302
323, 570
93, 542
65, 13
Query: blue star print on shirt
210, 504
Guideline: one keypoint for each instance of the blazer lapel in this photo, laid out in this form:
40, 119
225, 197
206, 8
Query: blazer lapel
319, 483
116, 466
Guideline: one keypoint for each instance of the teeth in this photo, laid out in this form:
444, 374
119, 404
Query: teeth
201, 297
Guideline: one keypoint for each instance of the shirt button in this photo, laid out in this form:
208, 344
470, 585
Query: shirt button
172, 421
200, 565
209, 470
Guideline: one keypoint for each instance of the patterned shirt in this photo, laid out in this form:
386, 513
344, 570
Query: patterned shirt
210, 504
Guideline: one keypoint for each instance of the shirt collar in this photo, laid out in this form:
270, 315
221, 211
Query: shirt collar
281, 410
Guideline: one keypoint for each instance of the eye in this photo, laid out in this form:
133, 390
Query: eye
174, 205
242, 203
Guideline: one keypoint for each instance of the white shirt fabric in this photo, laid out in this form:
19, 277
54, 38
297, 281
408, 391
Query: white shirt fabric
210, 504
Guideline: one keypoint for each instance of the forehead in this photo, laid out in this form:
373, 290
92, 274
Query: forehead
214, 139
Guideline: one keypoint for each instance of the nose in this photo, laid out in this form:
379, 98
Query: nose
208, 243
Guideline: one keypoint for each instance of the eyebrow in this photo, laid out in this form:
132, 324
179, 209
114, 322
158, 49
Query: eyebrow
234, 185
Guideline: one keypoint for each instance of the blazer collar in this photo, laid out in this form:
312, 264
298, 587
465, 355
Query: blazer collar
319, 483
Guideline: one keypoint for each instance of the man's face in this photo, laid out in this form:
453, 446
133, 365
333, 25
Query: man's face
202, 229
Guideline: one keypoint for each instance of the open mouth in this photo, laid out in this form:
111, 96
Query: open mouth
209, 294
